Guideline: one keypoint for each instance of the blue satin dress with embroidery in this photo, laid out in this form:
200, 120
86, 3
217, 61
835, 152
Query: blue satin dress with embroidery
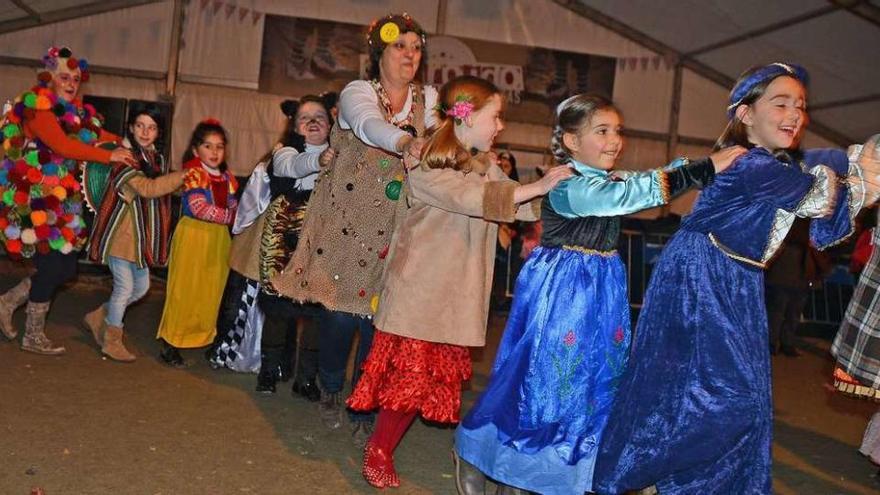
538, 423
693, 413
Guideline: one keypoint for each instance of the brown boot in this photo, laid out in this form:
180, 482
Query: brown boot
35, 339
96, 324
113, 347
9, 302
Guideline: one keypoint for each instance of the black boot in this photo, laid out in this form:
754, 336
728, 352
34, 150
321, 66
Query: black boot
285, 360
306, 382
468, 479
268, 376
171, 356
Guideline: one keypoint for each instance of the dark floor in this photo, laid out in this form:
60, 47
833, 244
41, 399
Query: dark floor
80, 424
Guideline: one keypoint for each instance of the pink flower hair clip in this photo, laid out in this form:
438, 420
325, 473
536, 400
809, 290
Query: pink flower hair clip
461, 109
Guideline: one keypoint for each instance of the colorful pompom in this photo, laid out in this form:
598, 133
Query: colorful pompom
32, 158
52, 203
42, 103
42, 232
38, 218
29, 100
34, 175
68, 233
12, 232
20, 198
28, 236
11, 130
64, 52
13, 246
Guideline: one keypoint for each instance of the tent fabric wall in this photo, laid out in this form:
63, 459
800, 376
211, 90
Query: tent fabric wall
133, 38
220, 58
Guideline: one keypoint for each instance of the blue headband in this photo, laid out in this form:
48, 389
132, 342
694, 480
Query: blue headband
765, 73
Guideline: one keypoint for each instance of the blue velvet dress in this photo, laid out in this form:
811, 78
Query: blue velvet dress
693, 413
538, 424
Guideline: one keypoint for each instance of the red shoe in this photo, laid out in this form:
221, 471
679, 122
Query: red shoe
378, 468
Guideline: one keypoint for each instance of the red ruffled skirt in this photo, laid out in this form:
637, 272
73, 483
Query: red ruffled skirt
406, 375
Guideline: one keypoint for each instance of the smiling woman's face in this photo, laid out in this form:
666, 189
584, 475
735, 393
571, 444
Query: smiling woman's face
400, 59
65, 82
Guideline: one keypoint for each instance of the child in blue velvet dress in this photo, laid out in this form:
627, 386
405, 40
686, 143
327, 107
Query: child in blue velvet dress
538, 424
694, 411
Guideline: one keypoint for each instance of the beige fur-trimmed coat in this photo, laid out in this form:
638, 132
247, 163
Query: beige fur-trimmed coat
439, 270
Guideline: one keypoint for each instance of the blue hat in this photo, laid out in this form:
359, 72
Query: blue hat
766, 73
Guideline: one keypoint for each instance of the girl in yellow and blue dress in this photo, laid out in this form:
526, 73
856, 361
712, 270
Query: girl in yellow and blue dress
200, 246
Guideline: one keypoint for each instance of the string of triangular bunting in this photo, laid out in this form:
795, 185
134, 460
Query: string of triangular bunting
219, 7
645, 63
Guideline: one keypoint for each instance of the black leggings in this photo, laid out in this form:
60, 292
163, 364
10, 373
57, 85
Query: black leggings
53, 270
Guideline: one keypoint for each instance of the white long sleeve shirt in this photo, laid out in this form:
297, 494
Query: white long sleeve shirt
359, 111
288, 162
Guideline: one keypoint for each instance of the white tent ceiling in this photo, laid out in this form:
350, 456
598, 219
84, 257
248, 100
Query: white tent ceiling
838, 41
21, 14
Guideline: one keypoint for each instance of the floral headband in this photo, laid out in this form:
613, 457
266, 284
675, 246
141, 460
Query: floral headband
387, 30
766, 73
56, 56
461, 108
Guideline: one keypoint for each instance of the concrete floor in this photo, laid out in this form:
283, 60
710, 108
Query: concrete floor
81, 424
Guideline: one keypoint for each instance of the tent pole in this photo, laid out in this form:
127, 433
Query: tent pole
174, 52
441, 17
674, 112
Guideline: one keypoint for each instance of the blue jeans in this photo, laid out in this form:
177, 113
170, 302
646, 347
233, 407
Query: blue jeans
130, 283
336, 335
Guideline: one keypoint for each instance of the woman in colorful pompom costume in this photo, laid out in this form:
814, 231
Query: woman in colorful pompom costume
132, 227
47, 134
198, 265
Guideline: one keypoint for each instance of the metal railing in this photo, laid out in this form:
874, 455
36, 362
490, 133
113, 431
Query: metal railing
640, 251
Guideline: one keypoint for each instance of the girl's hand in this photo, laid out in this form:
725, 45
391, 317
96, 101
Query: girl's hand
411, 146
724, 158
869, 161
552, 177
543, 185
122, 155
410, 162
326, 157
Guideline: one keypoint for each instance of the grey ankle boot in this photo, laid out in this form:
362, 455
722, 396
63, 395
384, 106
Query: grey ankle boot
468, 479
35, 339
510, 490
9, 302
330, 410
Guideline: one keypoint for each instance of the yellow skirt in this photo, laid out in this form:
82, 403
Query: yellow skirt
197, 271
